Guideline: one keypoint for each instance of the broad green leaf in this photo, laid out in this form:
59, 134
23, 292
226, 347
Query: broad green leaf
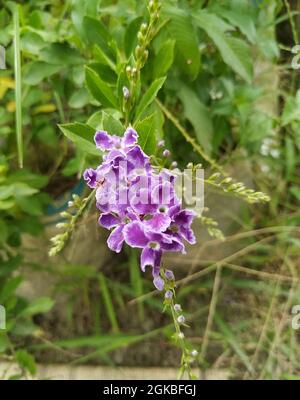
164, 59
26, 361
32, 42
22, 189
198, 115
80, 9
82, 135
31, 205
183, 32
37, 71
96, 33
258, 127
106, 73
112, 125
149, 96
9, 288
291, 110
60, 54
95, 120
100, 89
146, 130
241, 17
103, 58
130, 37
38, 306
79, 98
235, 52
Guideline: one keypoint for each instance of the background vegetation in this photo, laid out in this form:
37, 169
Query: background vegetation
218, 87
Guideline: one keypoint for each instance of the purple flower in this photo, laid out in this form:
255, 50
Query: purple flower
181, 319
90, 176
137, 234
166, 153
138, 204
168, 294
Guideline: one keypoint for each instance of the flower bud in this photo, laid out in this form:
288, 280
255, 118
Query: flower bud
181, 319
177, 307
144, 27
194, 353
169, 275
166, 153
168, 294
158, 283
140, 37
126, 92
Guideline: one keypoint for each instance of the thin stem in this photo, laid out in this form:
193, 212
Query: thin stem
211, 313
190, 139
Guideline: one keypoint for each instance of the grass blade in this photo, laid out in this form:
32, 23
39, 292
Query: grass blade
18, 89
108, 303
230, 338
136, 281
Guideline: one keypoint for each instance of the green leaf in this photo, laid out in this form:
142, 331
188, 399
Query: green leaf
198, 115
103, 58
164, 59
37, 71
26, 361
295, 190
60, 54
291, 110
99, 89
182, 30
130, 37
146, 131
32, 43
38, 306
149, 96
82, 135
96, 33
31, 205
112, 125
241, 17
235, 52
9, 288
79, 98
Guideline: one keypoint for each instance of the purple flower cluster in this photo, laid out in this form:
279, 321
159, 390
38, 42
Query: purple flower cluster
137, 202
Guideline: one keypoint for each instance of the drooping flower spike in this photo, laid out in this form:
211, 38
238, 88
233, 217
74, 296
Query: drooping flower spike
138, 204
